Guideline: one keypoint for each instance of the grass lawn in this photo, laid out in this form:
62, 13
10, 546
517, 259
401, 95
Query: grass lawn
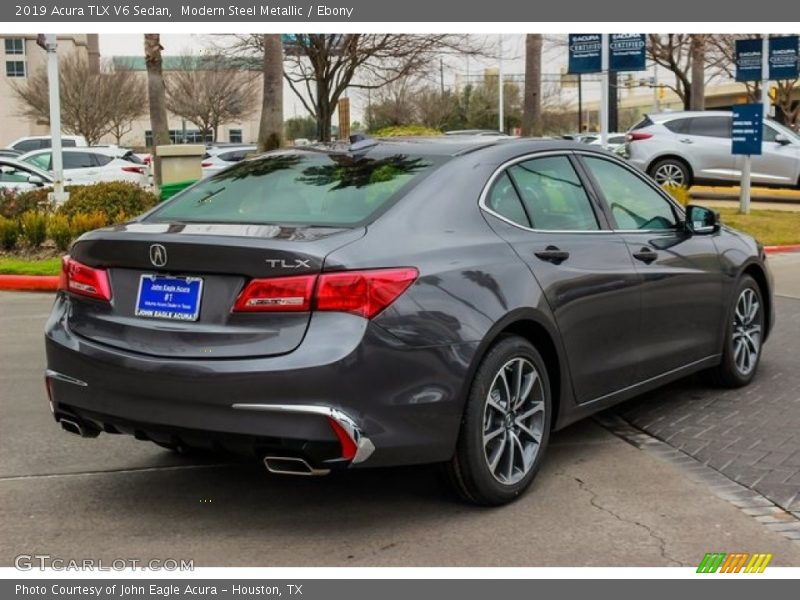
770, 227
16, 266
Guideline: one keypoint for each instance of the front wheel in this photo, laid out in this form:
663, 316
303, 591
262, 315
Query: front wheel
743, 337
506, 425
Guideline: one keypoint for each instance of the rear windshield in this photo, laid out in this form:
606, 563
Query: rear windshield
645, 122
303, 189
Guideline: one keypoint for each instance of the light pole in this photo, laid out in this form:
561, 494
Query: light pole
500, 116
48, 42
604, 90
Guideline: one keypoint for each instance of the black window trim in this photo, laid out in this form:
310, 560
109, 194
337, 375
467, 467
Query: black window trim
604, 225
677, 209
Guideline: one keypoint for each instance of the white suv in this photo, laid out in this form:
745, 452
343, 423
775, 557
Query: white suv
681, 148
36, 142
83, 166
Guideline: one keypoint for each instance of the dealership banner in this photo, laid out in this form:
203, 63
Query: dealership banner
253, 11
783, 57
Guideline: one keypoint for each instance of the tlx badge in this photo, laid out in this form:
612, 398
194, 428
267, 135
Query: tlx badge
295, 263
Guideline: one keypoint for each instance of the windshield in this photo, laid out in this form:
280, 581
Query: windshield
792, 135
305, 189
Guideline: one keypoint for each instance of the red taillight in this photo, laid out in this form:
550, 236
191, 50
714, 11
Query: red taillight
80, 279
364, 293
635, 136
206, 164
278, 294
139, 170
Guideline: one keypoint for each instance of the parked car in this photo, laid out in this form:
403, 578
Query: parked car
615, 140
478, 132
15, 175
218, 158
681, 148
9, 153
83, 166
35, 142
584, 138
400, 302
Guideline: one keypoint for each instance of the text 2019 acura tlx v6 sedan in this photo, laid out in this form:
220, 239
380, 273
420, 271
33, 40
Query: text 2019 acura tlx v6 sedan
400, 302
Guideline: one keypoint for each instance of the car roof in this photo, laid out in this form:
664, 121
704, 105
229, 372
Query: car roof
107, 150
687, 114
499, 148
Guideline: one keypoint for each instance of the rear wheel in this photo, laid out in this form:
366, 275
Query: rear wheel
744, 333
670, 171
506, 425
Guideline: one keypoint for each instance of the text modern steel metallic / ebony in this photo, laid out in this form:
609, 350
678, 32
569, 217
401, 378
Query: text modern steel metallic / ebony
400, 302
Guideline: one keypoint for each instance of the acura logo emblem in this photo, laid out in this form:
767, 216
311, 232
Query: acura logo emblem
158, 255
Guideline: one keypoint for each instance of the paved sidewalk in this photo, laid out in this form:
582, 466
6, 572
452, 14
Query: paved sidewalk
750, 435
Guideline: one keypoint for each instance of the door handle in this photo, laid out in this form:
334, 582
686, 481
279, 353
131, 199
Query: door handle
646, 255
552, 254
686, 141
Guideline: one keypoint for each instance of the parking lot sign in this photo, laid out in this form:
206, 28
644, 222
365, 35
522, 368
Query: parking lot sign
747, 128
585, 52
748, 60
627, 52
783, 57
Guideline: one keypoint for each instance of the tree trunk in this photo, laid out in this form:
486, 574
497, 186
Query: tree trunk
697, 93
270, 128
156, 95
532, 105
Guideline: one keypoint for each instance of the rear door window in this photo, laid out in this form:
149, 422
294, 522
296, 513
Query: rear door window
102, 159
27, 145
678, 125
553, 195
504, 200
719, 127
302, 188
41, 161
79, 160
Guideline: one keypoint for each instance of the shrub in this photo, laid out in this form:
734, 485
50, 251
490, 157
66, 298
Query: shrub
110, 198
58, 230
34, 227
406, 131
13, 204
83, 222
9, 232
679, 192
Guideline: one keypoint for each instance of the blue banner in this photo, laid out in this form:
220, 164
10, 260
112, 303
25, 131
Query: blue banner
783, 57
584, 53
627, 52
748, 60
747, 128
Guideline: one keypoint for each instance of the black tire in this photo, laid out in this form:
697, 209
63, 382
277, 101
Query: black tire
469, 471
680, 169
728, 373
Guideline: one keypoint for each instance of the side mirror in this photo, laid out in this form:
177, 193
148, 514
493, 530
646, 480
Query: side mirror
782, 139
36, 180
701, 220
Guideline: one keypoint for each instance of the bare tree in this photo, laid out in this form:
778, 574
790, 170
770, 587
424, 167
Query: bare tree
156, 95
130, 100
93, 101
532, 101
321, 67
270, 128
210, 91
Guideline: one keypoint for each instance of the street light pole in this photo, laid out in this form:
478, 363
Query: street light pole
765, 73
604, 90
49, 44
500, 116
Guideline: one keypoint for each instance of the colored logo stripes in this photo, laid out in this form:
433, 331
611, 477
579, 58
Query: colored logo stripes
736, 562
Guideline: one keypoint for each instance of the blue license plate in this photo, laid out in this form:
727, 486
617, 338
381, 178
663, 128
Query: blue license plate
176, 298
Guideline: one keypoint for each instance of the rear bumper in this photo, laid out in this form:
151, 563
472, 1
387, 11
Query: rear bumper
397, 404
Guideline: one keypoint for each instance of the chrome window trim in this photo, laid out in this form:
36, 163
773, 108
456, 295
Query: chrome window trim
510, 163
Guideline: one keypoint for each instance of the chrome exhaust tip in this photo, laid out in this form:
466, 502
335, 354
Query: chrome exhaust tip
292, 465
77, 428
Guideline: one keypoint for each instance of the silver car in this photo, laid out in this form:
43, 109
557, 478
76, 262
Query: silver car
218, 158
682, 148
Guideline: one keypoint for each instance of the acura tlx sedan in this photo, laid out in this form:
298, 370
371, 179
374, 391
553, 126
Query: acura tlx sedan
400, 302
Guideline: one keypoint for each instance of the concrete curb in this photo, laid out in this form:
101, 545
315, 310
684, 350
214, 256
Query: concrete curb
29, 283
778, 249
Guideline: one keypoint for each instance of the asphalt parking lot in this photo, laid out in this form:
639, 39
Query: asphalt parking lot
598, 500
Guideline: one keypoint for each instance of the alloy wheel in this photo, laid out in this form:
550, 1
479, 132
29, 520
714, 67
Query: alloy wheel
746, 332
513, 421
669, 174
